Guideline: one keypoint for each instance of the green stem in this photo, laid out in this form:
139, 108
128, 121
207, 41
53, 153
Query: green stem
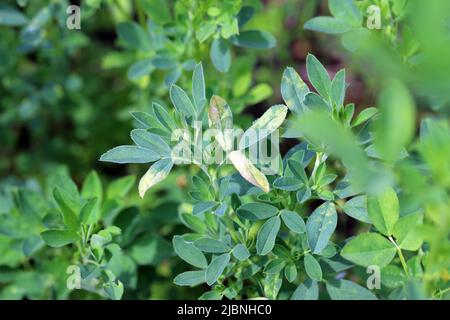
400, 255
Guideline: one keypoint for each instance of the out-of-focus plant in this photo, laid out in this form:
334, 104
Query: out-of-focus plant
80, 226
357, 21
404, 39
49, 91
43, 255
174, 36
76, 224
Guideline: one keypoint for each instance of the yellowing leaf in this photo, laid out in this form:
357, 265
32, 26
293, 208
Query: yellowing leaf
248, 171
265, 125
220, 118
156, 173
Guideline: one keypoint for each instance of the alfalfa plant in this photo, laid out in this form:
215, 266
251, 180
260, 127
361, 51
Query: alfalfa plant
83, 227
274, 236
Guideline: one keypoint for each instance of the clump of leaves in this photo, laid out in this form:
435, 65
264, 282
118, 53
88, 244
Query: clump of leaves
358, 21
274, 236
166, 138
169, 43
392, 38
81, 213
68, 241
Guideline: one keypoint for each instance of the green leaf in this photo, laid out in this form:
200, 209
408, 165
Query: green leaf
293, 90
155, 174
133, 35
229, 28
364, 115
240, 252
164, 62
296, 168
189, 252
198, 88
275, 266
181, 101
320, 226
357, 208
369, 249
308, 290
254, 39
315, 102
304, 194
287, 183
265, 239
312, 267
9, 16
347, 290
151, 141
264, 126
392, 277
258, 93
221, 209
318, 76
92, 186
216, 268
114, 290
89, 214
163, 117
329, 251
293, 221
69, 215
59, 238
346, 10
349, 111
194, 223
120, 187
172, 76
145, 120
290, 272
220, 55
190, 278
202, 187
395, 126
338, 87
129, 154
211, 295
204, 206
327, 25
211, 245
383, 211
407, 233
205, 31
140, 69
150, 249
256, 211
